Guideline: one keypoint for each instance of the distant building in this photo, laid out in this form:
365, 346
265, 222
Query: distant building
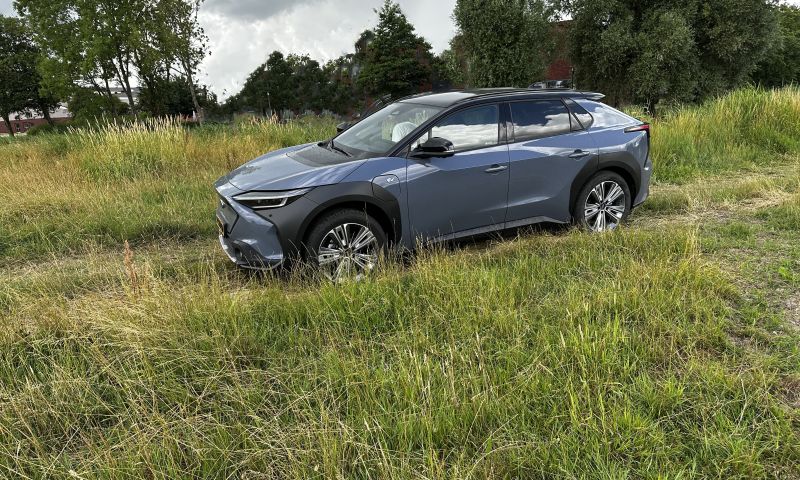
120, 94
560, 67
21, 122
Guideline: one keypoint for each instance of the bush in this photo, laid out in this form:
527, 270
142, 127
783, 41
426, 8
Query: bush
47, 129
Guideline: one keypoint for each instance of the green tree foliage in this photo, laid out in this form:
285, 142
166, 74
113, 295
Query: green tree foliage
451, 65
88, 106
667, 49
398, 61
295, 83
19, 79
174, 97
505, 42
97, 43
781, 65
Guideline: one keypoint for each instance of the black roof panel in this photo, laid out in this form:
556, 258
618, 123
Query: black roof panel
447, 99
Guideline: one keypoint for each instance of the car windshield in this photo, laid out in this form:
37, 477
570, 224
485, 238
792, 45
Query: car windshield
384, 129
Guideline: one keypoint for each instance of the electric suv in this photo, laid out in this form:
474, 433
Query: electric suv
436, 167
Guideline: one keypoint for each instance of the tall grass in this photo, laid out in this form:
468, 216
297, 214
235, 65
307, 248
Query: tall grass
743, 129
130, 348
140, 182
532, 359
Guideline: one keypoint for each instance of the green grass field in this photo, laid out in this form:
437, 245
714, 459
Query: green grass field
668, 349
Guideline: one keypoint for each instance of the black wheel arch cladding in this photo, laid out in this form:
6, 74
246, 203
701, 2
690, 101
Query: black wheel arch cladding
294, 220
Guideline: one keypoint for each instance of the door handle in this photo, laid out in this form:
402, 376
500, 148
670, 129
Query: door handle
579, 154
496, 168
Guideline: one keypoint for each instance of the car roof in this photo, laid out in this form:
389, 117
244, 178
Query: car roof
454, 97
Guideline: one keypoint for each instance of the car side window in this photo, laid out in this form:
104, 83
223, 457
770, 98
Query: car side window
605, 116
539, 119
584, 117
471, 128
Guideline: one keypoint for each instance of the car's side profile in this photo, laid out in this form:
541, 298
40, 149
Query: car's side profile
435, 167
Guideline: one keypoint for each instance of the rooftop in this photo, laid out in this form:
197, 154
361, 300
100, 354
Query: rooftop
446, 99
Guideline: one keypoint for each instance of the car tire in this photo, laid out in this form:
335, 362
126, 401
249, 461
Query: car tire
345, 244
603, 204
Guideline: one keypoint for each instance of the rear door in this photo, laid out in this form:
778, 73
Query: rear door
466, 192
548, 150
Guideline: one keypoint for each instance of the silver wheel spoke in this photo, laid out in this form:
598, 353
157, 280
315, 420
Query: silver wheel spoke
340, 235
364, 238
328, 255
616, 211
598, 192
600, 223
591, 210
364, 261
614, 194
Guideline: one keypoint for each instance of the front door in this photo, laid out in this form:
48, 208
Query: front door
467, 192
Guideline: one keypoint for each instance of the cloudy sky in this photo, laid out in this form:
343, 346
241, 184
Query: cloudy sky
242, 33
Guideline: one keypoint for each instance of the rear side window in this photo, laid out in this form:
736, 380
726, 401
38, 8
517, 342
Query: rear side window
584, 117
605, 116
477, 127
539, 119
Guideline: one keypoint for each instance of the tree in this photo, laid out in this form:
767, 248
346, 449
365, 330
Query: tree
19, 79
398, 61
173, 97
781, 64
92, 43
506, 42
88, 106
667, 50
451, 66
183, 41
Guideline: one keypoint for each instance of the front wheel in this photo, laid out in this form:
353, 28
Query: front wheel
345, 244
603, 203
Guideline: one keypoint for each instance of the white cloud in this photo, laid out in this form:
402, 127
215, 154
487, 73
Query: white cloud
323, 29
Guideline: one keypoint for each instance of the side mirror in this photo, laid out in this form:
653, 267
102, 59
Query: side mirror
434, 147
343, 126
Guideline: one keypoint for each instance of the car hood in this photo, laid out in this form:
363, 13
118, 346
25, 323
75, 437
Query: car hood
292, 168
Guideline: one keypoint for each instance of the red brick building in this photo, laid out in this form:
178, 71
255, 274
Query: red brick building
21, 122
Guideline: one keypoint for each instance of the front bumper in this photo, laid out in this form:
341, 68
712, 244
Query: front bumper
249, 240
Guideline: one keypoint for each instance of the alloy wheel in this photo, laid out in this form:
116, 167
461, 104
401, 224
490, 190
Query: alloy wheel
348, 250
605, 206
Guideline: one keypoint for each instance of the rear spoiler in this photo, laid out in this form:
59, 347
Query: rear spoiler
593, 95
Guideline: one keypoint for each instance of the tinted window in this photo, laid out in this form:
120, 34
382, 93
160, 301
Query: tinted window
539, 119
580, 113
471, 128
605, 116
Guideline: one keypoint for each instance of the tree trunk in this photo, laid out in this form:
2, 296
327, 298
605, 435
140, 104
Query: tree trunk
46, 115
190, 79
110, 98
123, 75
651, 106
8, 125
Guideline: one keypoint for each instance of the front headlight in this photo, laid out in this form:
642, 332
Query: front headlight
265, 200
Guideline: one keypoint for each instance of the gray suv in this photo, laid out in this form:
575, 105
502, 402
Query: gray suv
436, 167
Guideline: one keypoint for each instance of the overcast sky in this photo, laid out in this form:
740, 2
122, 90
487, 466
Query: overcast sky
242, 33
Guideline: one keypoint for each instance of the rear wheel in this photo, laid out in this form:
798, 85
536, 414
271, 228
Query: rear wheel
345, 244
603, 203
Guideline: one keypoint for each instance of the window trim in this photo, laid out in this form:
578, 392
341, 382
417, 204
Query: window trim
575, 116
512, 137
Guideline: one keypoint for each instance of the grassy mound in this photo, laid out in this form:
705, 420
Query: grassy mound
130, 348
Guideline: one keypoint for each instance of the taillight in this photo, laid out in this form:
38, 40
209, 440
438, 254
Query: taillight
645, 127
